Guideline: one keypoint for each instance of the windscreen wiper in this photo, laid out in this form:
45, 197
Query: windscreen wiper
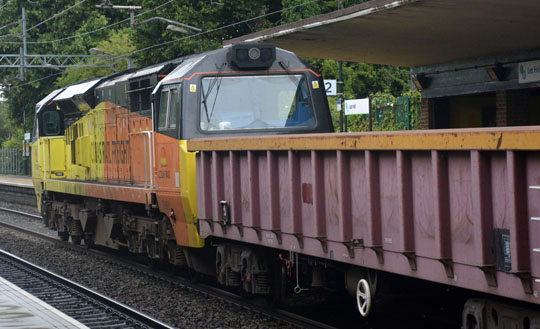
205, 95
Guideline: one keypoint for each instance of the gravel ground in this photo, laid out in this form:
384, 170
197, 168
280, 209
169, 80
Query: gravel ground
175, 306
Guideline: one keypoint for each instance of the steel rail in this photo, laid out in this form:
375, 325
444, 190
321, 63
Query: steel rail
18, 194
108, 302
207, 290
22, 213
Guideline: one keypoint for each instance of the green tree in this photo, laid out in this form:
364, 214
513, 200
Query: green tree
210, 16
117, 44
47, 34
83, 27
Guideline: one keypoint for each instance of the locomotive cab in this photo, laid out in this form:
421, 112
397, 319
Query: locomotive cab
48, 137
249, 89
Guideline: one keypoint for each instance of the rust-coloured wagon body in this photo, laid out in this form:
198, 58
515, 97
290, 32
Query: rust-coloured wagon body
459, 207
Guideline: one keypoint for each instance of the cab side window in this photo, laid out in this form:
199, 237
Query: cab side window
51, 123
163, 107
170, 104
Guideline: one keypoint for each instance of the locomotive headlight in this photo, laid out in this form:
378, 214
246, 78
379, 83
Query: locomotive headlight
254, 53
252, 56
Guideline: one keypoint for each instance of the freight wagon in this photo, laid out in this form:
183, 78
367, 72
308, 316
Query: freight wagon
459, 207
216, 163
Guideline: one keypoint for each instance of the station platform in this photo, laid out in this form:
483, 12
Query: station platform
19, 309
19, 181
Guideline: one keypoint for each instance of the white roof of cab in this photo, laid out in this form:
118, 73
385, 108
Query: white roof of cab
182, 69
77, 89
132, 75
48, 98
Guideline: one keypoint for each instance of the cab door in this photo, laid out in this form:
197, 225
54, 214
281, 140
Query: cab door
174, 194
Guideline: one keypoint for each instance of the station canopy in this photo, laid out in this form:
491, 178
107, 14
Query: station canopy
411, 33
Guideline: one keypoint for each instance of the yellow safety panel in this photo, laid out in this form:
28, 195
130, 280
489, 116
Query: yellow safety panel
188, 192
53, 160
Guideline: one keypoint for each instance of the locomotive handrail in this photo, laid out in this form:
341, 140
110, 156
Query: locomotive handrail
150, 157
49, 153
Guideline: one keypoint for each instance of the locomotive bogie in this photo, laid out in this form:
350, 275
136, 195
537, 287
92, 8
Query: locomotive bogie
114, 225
243, 267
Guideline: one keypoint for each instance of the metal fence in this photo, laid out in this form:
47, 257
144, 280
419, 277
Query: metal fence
402, 113
11, 162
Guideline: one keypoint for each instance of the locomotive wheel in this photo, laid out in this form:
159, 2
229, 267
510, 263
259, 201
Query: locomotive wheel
64, 236
150, 261
194, 276
363, 297
172, 269
44, 214
76, 239
89, 242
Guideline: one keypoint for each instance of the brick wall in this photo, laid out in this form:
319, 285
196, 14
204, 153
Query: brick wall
501, 108
512, 108
427, 113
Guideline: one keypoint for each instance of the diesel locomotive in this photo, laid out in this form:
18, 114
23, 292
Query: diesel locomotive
110, 163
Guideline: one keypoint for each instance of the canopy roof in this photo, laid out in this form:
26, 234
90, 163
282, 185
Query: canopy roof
411, 32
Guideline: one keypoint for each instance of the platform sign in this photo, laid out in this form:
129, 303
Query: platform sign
26, 136
331, 87
357, 106
529, 71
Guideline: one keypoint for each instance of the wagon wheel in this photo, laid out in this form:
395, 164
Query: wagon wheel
363, 297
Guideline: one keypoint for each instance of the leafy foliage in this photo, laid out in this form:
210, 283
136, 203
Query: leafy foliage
210, 16
117, 44
84, 27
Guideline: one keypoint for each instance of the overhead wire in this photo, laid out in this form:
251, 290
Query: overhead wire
40, 23
36, 80
10, 36
5, 4
9, 25
191, 36
90, 32
150, 10
217, 29
102, 28
56, 15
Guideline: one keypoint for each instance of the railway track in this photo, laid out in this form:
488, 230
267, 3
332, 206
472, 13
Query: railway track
18, 194
84, 305
226, 297
22, 213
